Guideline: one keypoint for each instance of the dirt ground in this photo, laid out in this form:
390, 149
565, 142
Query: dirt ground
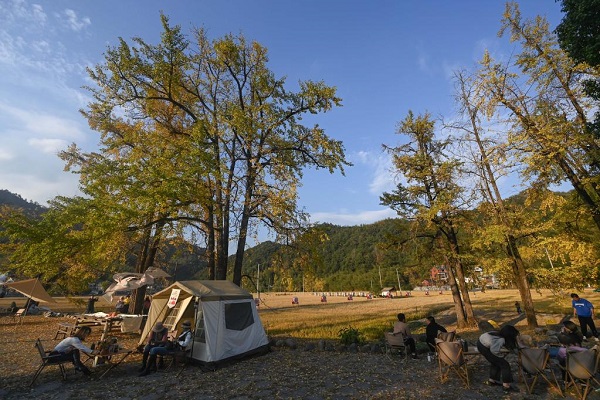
283, 373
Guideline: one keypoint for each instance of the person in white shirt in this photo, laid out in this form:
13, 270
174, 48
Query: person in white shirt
489, 345
69, 348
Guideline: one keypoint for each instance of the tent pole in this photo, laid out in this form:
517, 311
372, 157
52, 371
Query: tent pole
193, 338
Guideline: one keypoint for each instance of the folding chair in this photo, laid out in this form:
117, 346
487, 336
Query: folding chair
395, 344
451, 357
447, 336
581, 366
535, 363
18, 316
48, 359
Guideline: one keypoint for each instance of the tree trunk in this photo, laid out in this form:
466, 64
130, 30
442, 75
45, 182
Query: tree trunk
461, 320
522, 283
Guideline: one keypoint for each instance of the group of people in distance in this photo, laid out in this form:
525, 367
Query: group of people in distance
492, 345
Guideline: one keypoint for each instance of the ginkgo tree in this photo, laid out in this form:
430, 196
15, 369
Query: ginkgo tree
200, 134
549, 109
431, 199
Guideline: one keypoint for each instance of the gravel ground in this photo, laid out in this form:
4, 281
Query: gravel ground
283, 373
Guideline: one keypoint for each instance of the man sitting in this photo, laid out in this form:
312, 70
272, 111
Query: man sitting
431, 332
401, 327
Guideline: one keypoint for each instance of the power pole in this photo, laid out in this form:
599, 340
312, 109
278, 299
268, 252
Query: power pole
398, 276
257, 281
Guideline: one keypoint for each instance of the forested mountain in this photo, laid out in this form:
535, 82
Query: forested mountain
350, 258
14, 200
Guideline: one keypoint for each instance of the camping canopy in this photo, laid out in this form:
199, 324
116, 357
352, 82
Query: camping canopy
224, 316
32, 288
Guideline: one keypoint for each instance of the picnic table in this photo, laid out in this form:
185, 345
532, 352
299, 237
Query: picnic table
100, 319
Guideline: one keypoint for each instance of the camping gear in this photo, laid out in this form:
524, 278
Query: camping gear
223, 316
33, 289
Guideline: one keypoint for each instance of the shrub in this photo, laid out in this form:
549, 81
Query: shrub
351, 335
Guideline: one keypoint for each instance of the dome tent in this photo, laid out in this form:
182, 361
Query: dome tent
224, 318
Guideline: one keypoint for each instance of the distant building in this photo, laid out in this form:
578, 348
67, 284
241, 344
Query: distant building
388, 292
439, 273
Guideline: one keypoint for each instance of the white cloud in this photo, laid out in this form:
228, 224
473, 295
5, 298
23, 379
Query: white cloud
382, 179
36, 123
73, 22
348, 219
48, 146
5, 155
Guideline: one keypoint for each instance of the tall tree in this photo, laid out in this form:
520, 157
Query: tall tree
548, 110
431, 199
579, 35
202, 135
489, 158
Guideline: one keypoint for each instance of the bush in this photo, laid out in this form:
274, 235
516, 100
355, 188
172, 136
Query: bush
351, 335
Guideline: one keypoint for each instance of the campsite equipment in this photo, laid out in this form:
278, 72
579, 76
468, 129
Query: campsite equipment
32, 288
224, 319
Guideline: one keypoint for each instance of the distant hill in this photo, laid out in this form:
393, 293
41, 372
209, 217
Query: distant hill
14, 200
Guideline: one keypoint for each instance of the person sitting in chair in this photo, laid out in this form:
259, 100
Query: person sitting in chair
570, 338
183, 342
157, 337
431, 332
401, 327
68, 349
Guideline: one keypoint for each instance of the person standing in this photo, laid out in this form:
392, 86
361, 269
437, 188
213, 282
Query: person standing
146, 306
489, 345
584, 310
431, 332
90, 305
401, 327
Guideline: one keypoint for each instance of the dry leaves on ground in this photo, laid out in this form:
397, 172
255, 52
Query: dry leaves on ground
283, 373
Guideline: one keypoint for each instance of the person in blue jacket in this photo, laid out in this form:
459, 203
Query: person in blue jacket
584, 310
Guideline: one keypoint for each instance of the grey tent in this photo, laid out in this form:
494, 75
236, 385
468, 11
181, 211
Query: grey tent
224, 316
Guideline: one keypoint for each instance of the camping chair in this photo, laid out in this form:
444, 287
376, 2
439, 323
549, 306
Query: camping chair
451, 357
395, 344
48, 359
446, 336
535, 363
18, 316
581, 366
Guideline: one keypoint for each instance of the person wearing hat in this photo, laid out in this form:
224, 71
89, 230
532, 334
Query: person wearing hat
157, 337
183, 342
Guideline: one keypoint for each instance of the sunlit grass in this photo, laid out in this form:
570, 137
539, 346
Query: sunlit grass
314, 320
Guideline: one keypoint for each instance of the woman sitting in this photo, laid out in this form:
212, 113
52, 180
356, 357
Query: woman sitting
158, 337
183, 342
68, 349
570, 338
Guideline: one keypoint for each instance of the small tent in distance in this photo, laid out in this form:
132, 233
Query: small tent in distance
224, 316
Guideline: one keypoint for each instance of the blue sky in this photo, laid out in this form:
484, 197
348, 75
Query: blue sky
385, 57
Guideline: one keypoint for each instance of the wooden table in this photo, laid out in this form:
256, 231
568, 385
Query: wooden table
108, 323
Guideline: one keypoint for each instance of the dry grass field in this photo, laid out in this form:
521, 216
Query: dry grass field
312, 319
283, 373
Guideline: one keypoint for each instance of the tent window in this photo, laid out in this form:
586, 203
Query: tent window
171, 318
238, 316
200, 334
